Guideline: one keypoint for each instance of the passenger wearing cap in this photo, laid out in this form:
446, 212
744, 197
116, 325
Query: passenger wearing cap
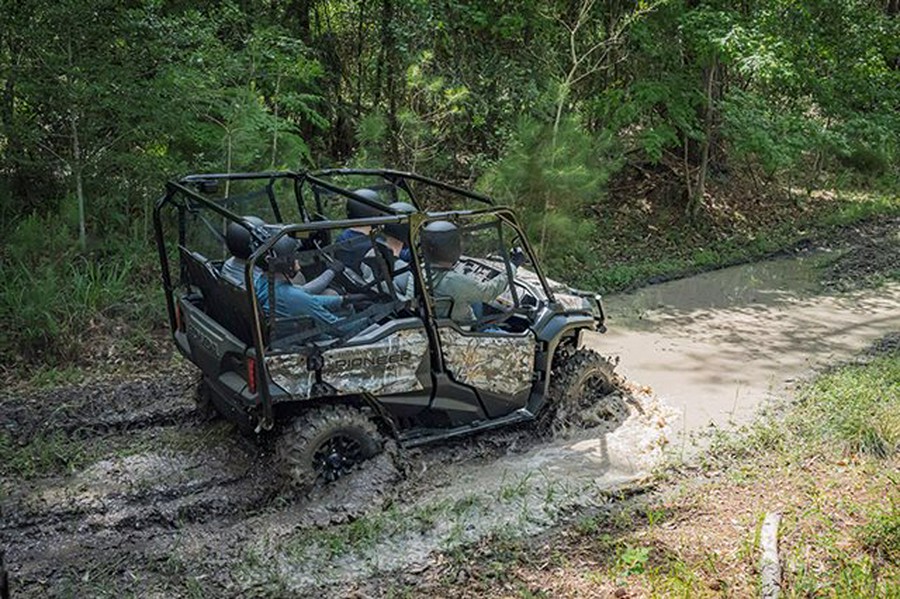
442, 249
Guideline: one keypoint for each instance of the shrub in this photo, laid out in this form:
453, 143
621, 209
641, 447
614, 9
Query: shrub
553, 179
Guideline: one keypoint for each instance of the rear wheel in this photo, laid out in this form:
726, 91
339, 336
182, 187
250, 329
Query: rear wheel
583, 394
326, 443
204, 403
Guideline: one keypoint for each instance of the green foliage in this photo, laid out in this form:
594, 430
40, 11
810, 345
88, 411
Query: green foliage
772, 135
56, 297
553, 179
371, 135
857, 407
633, 560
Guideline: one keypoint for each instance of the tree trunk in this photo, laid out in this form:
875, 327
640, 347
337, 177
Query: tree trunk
359, 59
299, 10
381, 63
390, 50
275, 114
696, 200
78, 172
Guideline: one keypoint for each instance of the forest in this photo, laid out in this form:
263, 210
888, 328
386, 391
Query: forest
610, 125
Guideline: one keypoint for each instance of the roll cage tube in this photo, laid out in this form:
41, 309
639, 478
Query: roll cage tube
172, 190
270, 176
418, 221
507, 216
392, 176
163, 256
336, 189
169, 199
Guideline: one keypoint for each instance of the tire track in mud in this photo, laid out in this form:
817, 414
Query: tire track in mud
132, 522
162, 475
156, 466
90, 410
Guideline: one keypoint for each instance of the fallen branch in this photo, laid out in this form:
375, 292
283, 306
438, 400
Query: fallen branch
769, 566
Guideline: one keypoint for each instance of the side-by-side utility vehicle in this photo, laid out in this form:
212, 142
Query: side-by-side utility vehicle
370, 336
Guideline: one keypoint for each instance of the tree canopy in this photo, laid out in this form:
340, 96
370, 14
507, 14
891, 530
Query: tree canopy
543, 103
104, 100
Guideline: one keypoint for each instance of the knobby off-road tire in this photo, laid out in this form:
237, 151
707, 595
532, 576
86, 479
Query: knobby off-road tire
583, 393
325, 444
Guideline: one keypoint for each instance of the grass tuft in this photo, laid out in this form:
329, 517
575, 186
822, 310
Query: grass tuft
881, 536
857, 407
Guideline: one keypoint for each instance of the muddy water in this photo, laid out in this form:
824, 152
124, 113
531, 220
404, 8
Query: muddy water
171, 505
719, 345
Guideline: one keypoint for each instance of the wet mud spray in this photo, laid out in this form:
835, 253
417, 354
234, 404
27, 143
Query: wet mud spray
162, 503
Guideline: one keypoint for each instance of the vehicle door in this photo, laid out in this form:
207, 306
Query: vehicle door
485, 336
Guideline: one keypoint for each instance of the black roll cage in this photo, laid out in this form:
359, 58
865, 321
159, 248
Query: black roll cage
416, 221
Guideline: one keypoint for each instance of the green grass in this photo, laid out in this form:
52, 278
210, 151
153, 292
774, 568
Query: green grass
44, 454
851, 411
55, 452
62, 308
856, 408
881, 535
52, 376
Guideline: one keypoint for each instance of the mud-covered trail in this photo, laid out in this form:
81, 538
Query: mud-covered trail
720, 344
124, 489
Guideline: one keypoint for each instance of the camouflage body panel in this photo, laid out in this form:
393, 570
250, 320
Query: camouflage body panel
526, 276
289, 372
532, 283
388, 366
572, 302
498, 363
562, 293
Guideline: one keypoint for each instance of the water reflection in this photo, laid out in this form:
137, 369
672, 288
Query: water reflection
763, 283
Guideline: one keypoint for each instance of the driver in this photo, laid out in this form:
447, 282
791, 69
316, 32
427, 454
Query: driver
441, 246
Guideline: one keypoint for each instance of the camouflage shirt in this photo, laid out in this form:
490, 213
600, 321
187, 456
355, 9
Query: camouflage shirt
465, 291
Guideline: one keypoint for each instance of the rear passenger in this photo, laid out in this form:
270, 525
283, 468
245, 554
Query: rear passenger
241, 243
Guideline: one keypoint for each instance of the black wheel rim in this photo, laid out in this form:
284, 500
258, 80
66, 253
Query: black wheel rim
587, 395
337, 456
593, 389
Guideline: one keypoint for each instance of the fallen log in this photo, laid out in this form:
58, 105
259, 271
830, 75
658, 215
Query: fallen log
769, 566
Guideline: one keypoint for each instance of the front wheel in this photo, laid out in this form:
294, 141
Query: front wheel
583, 394
326, 443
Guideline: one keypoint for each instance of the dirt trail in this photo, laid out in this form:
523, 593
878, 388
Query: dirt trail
159, 502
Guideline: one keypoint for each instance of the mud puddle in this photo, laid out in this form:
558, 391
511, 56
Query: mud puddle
171, 507
165, 504
718, 346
